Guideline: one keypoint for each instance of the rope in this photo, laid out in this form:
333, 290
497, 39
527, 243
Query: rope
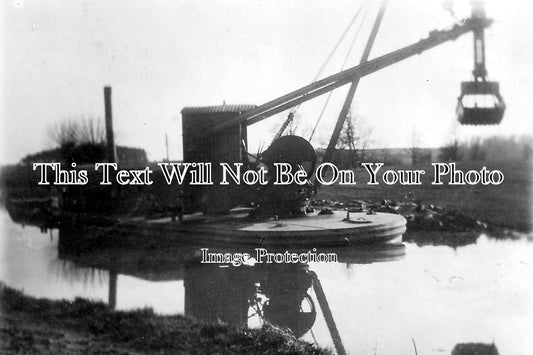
342, 68
340, 40
290, 117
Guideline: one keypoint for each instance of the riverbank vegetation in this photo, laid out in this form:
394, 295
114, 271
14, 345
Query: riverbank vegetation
507, 205
39, 326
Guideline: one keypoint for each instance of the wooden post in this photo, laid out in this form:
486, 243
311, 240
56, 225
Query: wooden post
166, 146
112, 295
111, 152
328, 316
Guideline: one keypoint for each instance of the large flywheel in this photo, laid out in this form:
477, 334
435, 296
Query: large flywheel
287, 200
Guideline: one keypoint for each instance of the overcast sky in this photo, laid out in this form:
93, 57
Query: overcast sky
160, 56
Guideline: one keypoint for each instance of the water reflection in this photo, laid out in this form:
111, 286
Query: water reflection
289, 304
374, 298
281, 294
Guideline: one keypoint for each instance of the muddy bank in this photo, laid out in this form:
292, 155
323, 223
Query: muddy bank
38, 326
428, 224
507, 205
420, 217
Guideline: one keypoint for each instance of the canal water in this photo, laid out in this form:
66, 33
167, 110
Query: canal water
380, 301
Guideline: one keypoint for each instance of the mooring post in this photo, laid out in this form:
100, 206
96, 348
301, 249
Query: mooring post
111, 152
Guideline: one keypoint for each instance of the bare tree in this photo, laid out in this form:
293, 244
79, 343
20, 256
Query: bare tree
91, 131
477, 151
355, 137
418, 155
74, 132
64, 133
414, 146
451, 152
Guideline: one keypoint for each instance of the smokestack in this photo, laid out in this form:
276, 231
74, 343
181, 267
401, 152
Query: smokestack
111, 152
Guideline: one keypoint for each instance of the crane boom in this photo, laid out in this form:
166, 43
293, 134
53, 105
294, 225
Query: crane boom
344, 77
351, 92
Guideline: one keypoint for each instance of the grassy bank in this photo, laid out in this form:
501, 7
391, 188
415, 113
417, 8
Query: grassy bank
38, 326
507, 205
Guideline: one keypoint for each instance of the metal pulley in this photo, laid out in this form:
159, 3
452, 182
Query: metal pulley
480, 102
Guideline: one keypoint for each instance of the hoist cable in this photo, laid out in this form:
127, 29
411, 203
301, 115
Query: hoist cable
355, 17
342, 68
290, 117
336, 46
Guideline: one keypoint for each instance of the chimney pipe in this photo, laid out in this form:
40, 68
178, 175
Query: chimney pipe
111, 152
